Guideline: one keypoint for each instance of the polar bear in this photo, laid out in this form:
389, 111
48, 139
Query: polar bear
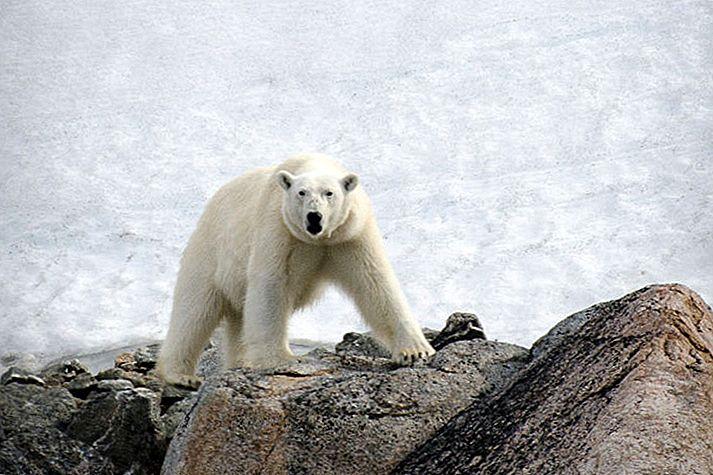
266, 245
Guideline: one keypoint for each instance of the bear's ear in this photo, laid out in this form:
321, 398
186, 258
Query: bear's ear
285, 179
350, 182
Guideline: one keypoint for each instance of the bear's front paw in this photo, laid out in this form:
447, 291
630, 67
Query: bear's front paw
415, 351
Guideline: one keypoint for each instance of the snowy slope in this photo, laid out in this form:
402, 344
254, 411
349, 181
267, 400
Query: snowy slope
525, 158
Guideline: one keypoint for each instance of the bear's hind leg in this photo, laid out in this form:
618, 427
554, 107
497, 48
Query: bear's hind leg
233, 341
267, 309
194, 318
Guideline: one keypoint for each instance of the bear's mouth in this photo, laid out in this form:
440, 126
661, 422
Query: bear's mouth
314, 229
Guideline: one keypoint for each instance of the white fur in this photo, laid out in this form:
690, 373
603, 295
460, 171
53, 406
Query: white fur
252, 262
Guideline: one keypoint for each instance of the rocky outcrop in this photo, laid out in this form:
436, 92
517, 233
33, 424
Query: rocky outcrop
622, 387
350, 412
65, 420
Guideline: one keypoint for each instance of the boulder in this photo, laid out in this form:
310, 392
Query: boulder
350, 412
31, 439
134, 440
622, 387
65, 420
19, 375
459, 326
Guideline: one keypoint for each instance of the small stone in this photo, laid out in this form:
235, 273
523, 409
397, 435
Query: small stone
20, 376
173, 394
125, 361
430, 334
459, 327
111, 373
145, 358
114, 385
57, 373
360, 344
82, 385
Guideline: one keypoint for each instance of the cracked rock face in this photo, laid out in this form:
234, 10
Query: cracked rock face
622, 387
334, 413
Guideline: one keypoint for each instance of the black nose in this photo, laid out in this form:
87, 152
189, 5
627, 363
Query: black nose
314, 222
314, 218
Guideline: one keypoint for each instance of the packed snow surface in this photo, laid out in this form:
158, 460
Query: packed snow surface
525, 159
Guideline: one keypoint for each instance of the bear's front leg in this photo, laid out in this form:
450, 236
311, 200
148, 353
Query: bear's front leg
265, 322
362, 269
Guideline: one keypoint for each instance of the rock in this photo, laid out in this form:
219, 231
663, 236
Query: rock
134, 438
114, 385
565, 329
459, 326
361, 344
21, 376
93, 418
25, 405
175, 415
141, 360
56, 374
111, 373
46, 450
82, 385
84, 425
210, 362
330, 413
24, 361
146, 357
173, 394
623, 387
31, 440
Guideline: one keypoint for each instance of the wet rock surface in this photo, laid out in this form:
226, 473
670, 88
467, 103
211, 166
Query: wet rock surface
342, 412
622, 387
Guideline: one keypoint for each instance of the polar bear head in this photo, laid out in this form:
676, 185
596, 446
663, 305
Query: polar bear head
316, 204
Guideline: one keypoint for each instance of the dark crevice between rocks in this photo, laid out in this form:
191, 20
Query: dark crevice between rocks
273, 443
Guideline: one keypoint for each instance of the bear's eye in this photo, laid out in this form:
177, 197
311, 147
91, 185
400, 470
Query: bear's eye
329, 193
301, 193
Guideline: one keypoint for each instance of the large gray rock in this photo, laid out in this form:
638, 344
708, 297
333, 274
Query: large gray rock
330, 413
31, 440
623, 387
68, 421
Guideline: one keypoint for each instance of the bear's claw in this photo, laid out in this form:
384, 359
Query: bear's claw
409, 356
